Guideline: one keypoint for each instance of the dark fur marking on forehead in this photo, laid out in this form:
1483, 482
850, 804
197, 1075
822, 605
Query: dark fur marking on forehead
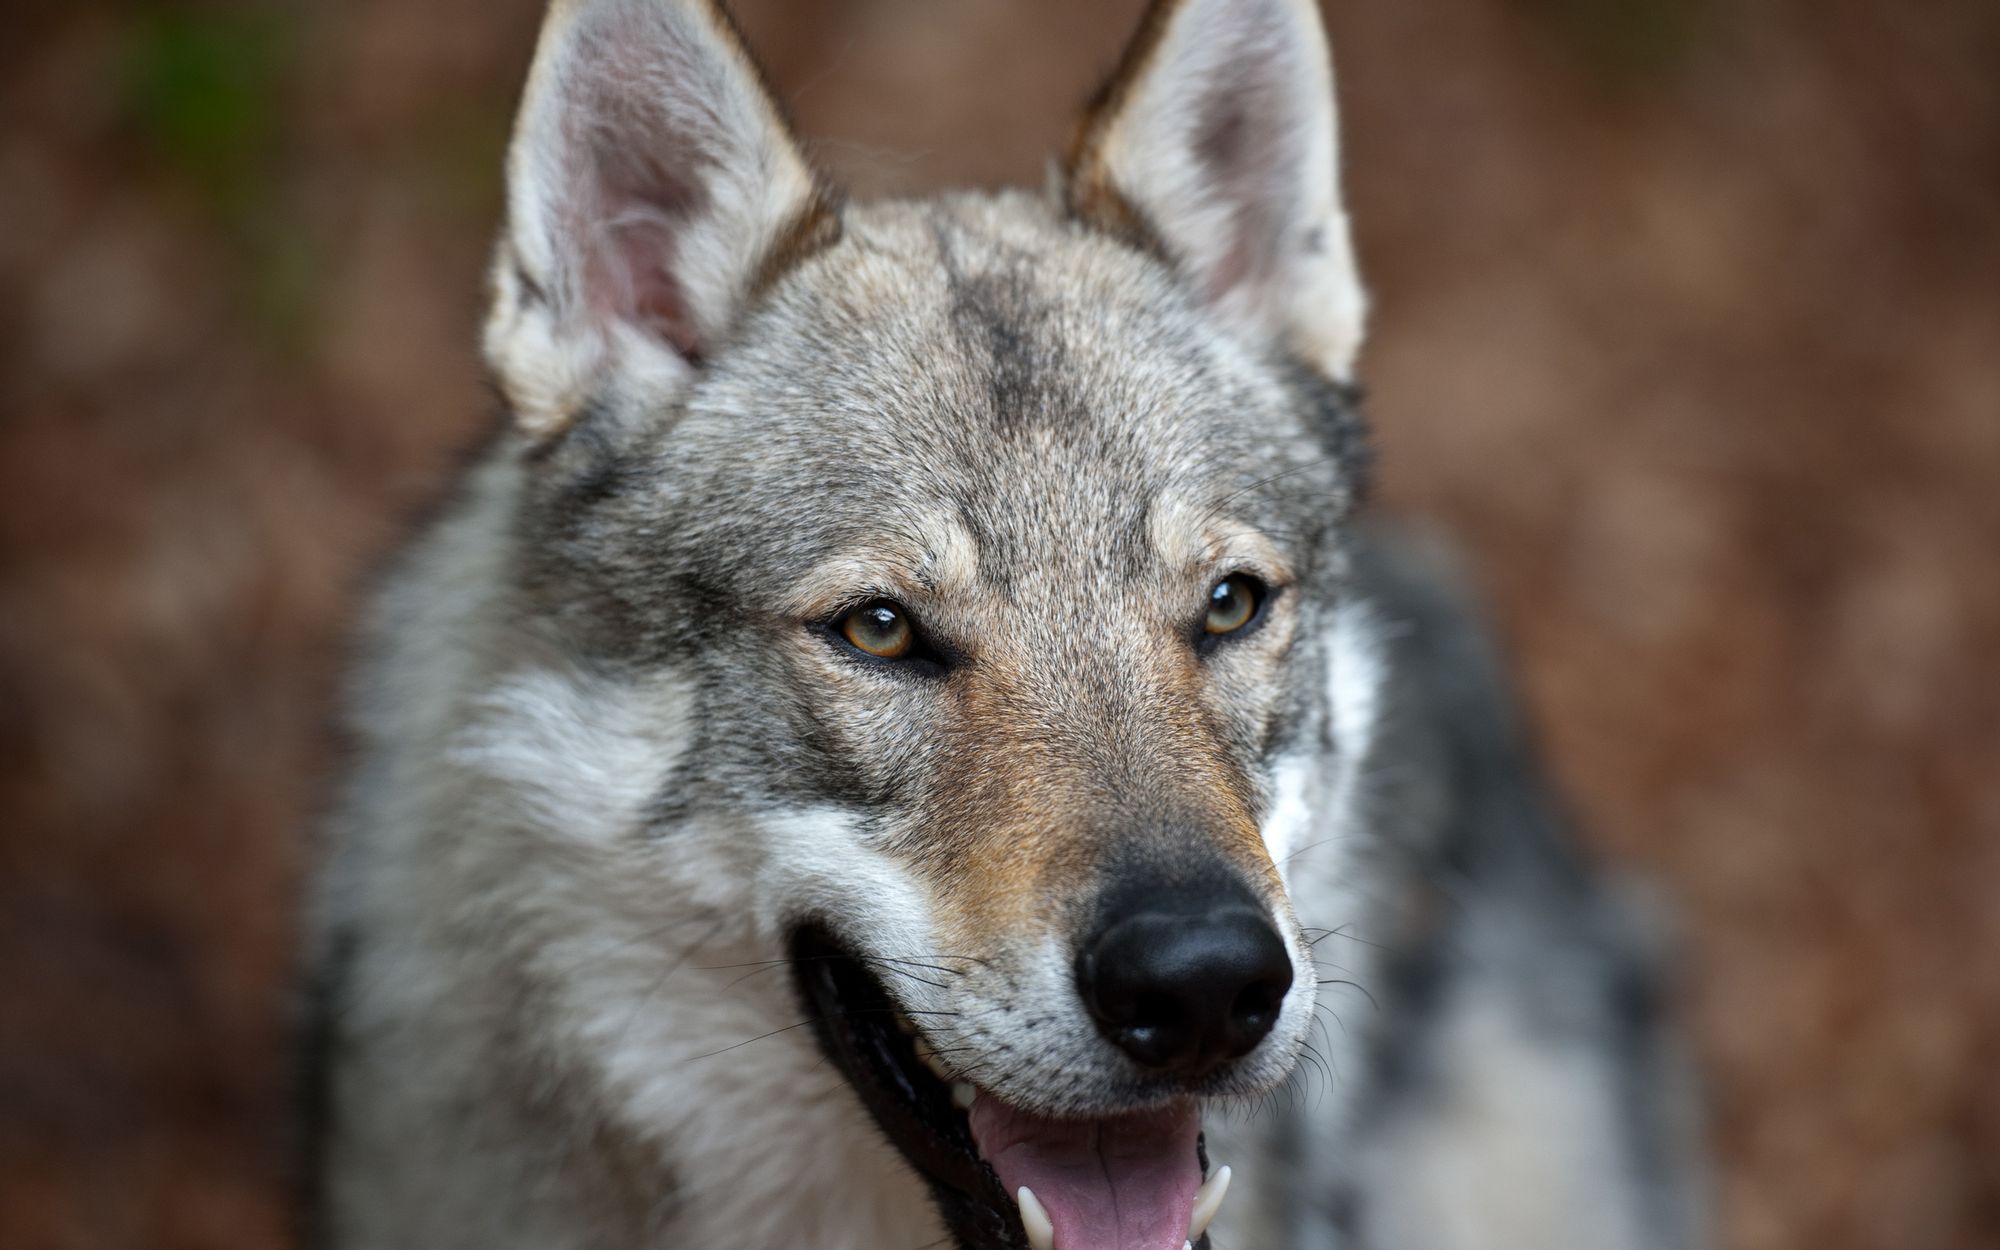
997, 313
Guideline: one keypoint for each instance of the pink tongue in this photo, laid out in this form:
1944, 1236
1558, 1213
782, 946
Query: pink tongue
1125, 1183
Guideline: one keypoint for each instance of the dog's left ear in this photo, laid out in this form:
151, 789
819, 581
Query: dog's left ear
1215, 142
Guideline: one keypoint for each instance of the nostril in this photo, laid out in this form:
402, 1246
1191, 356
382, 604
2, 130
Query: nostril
1256, 1010
1251, 1005
1155, 1011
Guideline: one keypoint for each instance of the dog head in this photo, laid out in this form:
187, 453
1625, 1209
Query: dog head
993, 542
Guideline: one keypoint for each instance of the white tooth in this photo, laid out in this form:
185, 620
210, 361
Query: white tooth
1041, 1233
903, 1022
962, 1095
1207, 1201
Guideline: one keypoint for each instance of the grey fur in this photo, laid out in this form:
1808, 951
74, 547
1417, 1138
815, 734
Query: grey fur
606, 758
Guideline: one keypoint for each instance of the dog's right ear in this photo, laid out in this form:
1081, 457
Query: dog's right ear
652, 186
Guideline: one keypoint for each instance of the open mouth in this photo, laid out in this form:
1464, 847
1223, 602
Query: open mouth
1003, 1177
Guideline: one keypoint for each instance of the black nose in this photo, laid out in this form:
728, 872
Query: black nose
1183, 981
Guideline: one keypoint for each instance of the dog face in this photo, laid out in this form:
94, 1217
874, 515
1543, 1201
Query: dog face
993, 541
982, 542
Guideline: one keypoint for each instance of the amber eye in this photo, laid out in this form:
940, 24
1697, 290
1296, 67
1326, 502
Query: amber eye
880, 628
1233, 603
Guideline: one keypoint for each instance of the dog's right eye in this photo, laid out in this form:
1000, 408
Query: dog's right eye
881, 629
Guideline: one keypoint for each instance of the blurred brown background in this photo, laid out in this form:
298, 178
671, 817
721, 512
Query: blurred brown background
1688, 328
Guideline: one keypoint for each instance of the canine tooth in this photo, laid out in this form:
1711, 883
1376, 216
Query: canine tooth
903, 1022
1207, 1201
1041, 1232
963, 1094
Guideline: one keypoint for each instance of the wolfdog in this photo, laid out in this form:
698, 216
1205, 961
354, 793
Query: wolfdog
903, 739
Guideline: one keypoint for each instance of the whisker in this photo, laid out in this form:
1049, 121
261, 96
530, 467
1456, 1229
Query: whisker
1333, 1014
746, 1041
1355, 986
1298, 851
645, 1000
1342, 932
673, 926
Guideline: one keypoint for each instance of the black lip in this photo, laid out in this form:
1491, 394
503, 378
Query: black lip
854, 1018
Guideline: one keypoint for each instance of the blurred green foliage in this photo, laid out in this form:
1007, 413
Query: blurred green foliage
1624, 44
204, 90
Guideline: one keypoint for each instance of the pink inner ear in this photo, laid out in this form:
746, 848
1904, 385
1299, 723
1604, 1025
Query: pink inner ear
638, 187
631, 278
1242, 143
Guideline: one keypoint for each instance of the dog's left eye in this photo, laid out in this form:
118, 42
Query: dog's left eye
882, 629
1233, 603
